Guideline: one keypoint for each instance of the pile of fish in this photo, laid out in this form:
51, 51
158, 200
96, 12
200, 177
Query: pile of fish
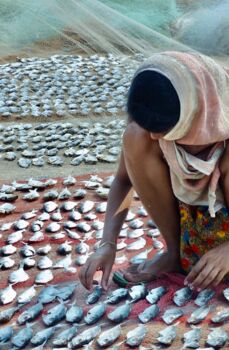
58, 234
65, 85
61, 143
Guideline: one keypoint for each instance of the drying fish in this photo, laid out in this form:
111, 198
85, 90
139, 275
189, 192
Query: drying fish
120, 313
97, 225
28, 262
226, 293
43, 335
37, 237
102, 192
167, 335
31, 196
7, 208
56, 216
182, 296
47, 295
192, 338
64, 337
91, 185
117, 295
44, 250
7, 295
74, 314
136, 223
21, 224
64, 263
6, 263
157, 244
142, 212
217, 338
130, 216
68, 206
65, 248
199, 315
137, 245
36, 225
94, 314
155, 294
44, 263
75, 215
58, 235
6, 334
29, 215
50, 206
93, 297
64, 194
72, 234
138, 292
82, 248
51, 195
136, 336
84, 338
36, 183
204, 297
80, 193
68, 181
6, 226
149, 313
69, 224
123, 233
44, 277
135, 233
221, 316
27, 250
22, 338
81, 259
120, 259
30, 314
108, 337
53, 227
86, 206
8, 249
7, 314
101, 207
66, 292
83, 227
99, 234
154, 233
26, 296
54, 315
19, 275
172, 315
15, 237
121, 245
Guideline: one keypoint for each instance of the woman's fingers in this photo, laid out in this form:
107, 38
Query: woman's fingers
195, 272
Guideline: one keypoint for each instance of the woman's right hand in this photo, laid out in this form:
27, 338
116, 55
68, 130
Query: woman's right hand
103, 259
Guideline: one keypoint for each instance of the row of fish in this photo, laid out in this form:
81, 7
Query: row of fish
61, 143
65, 85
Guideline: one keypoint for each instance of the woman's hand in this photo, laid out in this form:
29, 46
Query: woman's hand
103, 259
210, 269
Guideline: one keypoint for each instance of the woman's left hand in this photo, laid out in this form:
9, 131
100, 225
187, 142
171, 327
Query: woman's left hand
210, 269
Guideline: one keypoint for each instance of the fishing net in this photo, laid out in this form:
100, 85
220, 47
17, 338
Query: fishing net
30, 27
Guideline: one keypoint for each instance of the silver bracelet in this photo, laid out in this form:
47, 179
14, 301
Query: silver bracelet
109, 243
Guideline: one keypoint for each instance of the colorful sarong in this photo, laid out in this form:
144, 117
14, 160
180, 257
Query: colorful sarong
200, 232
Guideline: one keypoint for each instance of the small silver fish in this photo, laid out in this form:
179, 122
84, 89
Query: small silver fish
7, 314
43, 336
167, 335
53, 227
117, 295
18, 276
136, 336
97, 225
82, 248
142, 212
44, 277
137, 292
28, 262
108, 181
149, 313
85, 337
136, 224
80, 193
157, 244
120, 313
27, 250
54, 315
66, 292
22, 338
21, 224
8, 249
217, 338
6, 334
69, 224
86, 206
7, 208
221, 316
56, 216
226, 293
47, 295
58, 235
72, 234
75, 215
121, 245
44, 263
65, 336
81, 259
101, 207
64, 263
199, 315
6, 263
69, 181
74, 314
135, 233
121, 259
50, 206
154, 233
109, 336
83, 227
68, 206
44, 250
192, 338
26, 296
137, 245
37, 237
30, 314
64, 248
182, 296
31, 196
171, 315
51, 195
94, 314
204, 297
93, 297
155, 294
6, 226
36, 225
102, 192
15, 237
7, 295
29, 215
44, 217
64, 194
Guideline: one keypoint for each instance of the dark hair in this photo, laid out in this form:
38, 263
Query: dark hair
153, 102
